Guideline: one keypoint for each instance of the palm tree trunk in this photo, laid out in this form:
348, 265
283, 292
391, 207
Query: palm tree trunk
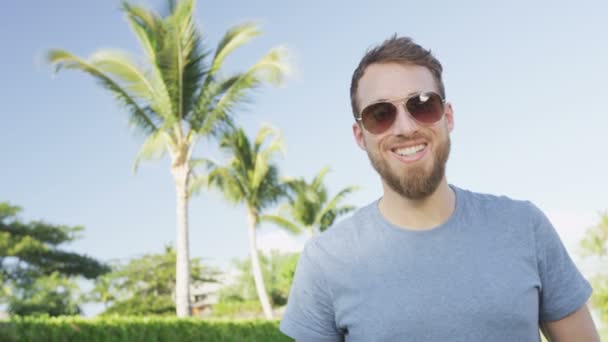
182, 267
255, 264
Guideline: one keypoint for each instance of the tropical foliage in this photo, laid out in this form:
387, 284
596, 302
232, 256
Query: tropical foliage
176, 94
278, 270
146, 285
309, 207
37, 277
250, 177
595, 244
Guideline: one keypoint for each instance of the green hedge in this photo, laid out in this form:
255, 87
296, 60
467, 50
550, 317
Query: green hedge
229, 309
134, 329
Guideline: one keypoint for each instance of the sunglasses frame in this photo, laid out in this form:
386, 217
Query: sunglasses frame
403, 101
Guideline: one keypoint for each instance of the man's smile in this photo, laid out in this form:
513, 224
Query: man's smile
410, 154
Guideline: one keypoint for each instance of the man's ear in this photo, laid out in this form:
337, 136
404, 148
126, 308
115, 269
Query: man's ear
358, 134
449, 116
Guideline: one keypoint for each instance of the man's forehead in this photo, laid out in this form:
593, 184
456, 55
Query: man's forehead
389, 81
392, 98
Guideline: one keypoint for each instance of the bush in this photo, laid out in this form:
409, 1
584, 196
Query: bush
134, 329
237, 308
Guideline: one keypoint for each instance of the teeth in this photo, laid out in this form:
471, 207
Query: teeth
410, 150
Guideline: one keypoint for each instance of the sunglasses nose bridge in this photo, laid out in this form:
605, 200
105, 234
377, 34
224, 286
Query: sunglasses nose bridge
404, 122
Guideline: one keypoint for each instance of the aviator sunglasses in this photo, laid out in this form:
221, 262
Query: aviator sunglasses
424, 107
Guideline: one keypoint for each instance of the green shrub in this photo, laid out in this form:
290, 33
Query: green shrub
237, 308
134, 329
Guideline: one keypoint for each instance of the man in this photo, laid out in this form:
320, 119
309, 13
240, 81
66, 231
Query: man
430, 261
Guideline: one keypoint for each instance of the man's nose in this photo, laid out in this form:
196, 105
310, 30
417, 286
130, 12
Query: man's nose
404, 123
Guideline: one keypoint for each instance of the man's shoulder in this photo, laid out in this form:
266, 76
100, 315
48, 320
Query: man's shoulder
341, 235
500, 206
495, 201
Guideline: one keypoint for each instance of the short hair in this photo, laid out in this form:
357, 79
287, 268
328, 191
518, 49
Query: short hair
400, 50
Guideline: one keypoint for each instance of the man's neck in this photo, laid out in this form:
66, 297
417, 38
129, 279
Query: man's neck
422, 214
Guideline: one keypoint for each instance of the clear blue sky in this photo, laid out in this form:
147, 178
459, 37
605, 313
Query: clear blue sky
527, 81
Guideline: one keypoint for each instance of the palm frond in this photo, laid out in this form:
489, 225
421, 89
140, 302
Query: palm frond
332, 205
273, 67
200, 179
345, 209
208, 164
239, 145
149, 30
259, 172
307, 206
256, 175
222, 179
212, 87
123, 68
276, 147
178, 57
190, 53
285, 209
147, 26
204, 118
264, 157
236, 94
269, 191
263, 133
270, 68
61, 59
317, 182
234, 38
328, 219
196, 183
155, 147
282, 222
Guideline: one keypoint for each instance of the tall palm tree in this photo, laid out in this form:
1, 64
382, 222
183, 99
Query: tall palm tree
309, 207
176, 95
250, 177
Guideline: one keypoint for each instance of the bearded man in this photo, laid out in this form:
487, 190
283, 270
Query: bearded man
429, 261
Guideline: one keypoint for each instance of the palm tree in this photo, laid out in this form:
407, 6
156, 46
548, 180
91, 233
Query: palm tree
309, 207
176, 95
251, 178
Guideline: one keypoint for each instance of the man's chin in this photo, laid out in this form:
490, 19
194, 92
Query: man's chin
419, 183
415, 192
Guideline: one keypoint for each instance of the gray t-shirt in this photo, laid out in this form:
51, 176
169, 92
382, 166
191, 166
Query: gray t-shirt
490, 273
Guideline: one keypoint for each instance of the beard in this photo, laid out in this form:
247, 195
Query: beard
417, 182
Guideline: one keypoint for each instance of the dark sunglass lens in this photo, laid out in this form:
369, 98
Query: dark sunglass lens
378, 117
426, 107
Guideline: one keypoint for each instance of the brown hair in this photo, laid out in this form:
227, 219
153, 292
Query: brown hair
400, 50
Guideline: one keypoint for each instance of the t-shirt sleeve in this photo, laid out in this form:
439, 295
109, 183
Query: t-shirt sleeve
309, 315
563, 287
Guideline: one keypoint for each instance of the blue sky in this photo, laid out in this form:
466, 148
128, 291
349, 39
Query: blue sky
527, 82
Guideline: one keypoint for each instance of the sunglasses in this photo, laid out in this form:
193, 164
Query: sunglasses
425, 108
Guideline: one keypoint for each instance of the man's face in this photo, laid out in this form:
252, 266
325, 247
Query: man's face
410, 157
